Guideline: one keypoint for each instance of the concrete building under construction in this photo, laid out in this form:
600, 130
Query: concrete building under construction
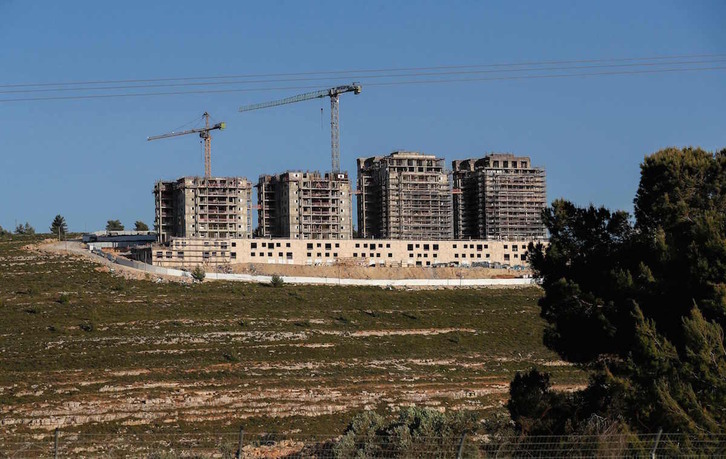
405, 195
305, 205
206, 207
500, 196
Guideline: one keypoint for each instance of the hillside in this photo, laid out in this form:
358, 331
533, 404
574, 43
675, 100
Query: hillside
90, 351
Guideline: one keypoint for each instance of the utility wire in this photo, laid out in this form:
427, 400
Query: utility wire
532, 77
369, 77
394, 83
360, 71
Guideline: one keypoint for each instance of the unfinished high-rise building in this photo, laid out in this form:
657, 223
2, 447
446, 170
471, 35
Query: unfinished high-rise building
500, 196
405, 195
305, 205
208, 207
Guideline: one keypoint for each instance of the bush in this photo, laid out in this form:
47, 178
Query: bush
64, 298
277, 281
414, 433
230, 356
198, 274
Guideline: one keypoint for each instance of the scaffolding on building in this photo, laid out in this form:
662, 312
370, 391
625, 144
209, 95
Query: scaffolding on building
305, 205
502, 197
205, 207
405, 195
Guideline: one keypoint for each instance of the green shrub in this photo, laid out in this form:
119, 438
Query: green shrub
64, 298
414, 433
277, 281
230, 356
198, 274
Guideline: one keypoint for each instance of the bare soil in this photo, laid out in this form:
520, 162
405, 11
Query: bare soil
375, 272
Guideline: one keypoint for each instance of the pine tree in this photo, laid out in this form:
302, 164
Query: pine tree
58, 228
24, 229
641, 303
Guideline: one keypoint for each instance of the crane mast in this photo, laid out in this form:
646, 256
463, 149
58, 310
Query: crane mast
204, 135
334, 94
207, 146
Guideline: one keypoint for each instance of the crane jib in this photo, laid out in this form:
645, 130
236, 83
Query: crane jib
204, 134
333, 93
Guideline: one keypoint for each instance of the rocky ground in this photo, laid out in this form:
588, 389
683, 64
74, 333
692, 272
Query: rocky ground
92, 352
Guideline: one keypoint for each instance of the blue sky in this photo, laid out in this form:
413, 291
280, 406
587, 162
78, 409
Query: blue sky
89, 159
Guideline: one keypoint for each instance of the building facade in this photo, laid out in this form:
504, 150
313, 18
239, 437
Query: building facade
405, 195
190, 252
208, 207
305, 205
500, 196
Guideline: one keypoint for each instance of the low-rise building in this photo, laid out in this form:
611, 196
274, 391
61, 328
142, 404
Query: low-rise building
119, 240
190, 252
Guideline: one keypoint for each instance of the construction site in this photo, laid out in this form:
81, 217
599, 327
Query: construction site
483, 212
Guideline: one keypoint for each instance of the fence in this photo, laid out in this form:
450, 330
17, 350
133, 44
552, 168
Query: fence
402, 444
318, 280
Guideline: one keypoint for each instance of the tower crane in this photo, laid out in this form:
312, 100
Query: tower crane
203, 134
334, 94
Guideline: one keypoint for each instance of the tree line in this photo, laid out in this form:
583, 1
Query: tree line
59, 227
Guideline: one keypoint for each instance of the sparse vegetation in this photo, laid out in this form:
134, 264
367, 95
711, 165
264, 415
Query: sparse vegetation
304, 348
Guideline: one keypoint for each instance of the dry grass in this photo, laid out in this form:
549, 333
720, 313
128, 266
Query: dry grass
90, 351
